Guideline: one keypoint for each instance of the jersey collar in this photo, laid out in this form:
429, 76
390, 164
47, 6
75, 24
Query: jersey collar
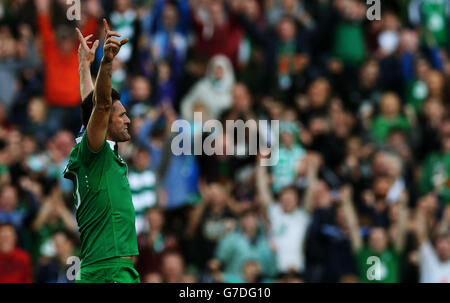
112, 144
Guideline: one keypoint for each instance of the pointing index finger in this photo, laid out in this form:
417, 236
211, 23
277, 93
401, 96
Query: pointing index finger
106, 25
80, 37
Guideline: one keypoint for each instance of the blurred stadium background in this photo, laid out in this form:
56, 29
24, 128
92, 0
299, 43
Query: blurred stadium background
364, 167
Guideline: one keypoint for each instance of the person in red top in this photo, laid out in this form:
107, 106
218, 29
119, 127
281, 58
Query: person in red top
15, 263
59, 53
217, 30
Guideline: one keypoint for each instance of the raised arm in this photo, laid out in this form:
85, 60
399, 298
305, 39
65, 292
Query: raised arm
352, 219
313, 163
421, 229
45, 25
86, 56
196, 214
98, 123
400, 239
444, 225
262, 184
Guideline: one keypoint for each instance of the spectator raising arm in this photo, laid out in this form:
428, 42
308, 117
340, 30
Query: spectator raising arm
197, 213
262, 184
313, 164
86, 56
98, 123
352, 219
421, 229
444, 225
400, 239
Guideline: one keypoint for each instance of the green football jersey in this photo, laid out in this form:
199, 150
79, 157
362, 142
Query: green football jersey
104, 209
434, 14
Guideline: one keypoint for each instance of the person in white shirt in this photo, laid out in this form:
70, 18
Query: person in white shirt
434, 260
288, 220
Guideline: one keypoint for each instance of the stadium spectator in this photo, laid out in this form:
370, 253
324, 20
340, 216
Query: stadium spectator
142, 184
173, 269
59, 54
210, 220
244, 244
434, 255
15, 262
153, 244
363, 153
55, 269
214, 90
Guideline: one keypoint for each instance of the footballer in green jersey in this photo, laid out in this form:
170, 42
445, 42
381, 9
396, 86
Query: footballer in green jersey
105, 212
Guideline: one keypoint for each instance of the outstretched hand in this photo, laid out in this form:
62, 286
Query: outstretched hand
86, 55
112, 45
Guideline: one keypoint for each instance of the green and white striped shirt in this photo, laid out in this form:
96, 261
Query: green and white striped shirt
142, 185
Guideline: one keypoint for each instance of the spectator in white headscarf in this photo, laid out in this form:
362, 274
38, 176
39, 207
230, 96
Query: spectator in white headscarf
213, 90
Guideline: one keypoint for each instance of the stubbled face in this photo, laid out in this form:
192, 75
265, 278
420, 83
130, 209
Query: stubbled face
119, 124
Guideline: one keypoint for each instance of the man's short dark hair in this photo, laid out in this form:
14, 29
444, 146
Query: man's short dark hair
88, 104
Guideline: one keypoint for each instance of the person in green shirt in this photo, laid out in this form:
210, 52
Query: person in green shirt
432, 16
104, 208
349, 46
417, 88
378, 261
435, 176
389, 118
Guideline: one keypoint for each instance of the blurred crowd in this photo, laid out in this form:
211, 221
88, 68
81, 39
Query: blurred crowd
361, 191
